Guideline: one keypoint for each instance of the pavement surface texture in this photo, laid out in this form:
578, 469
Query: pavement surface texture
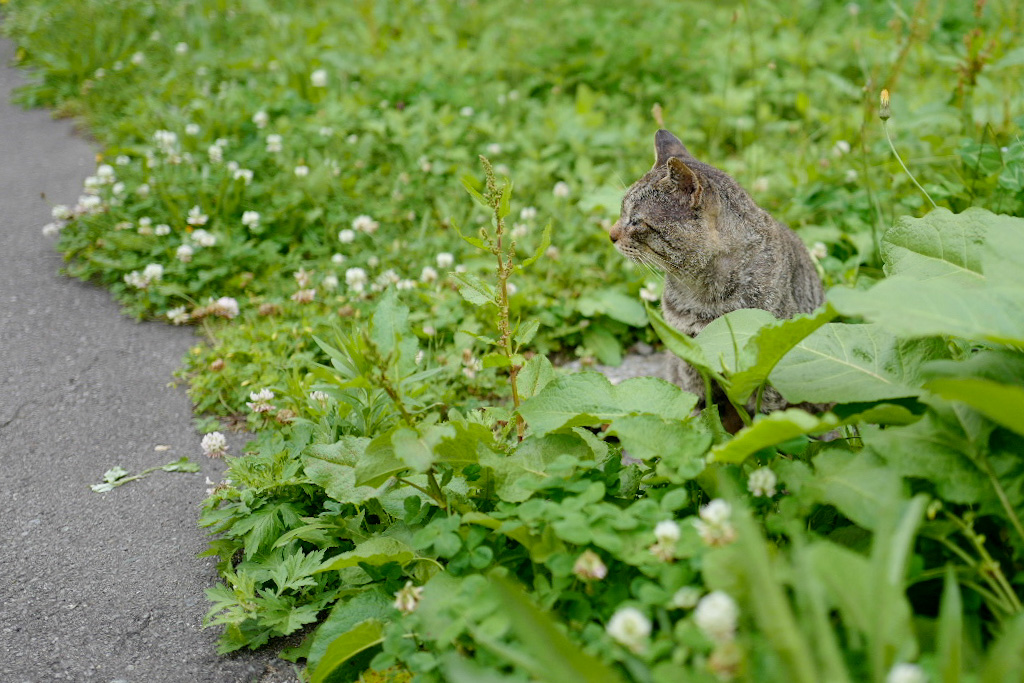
93, 587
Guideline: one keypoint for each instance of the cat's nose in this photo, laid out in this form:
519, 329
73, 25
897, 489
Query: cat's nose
616, 232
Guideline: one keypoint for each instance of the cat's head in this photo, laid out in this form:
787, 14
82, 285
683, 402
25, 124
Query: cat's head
669, 217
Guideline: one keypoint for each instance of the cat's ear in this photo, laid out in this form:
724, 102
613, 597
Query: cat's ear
667, 146
686, 179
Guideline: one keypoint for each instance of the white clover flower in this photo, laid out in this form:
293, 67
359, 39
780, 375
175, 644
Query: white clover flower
840, 148
853, 9
105, 173
389, 277
850, 176
717, 614
346, 236
649, 292
123, 225
715, 526
153, 272
162, 229
467, 111
184, 253
261, 119
408, 597
338, 259
204, 238
819, 250
445, 260
511, 289
196, 216
906, 673
91, 185
274, 143
630, 627
761, 185
418, 359
52, 229
181, 48
589, 567
165, 140
303, 278
425, 164
251, 219
99, 74
405, 284
225, 307
138, 58
494, 149
117, 189
330, 282
145, 228
519, 230
142, 190
178, 316
428, 274
214, 445
61, 212
301, 171
686, 597
260, 401
122, 160
192, 129
352, 139
762, 482
561, 189
135, 279
304, 296
326, 131
243, 174
365, 224
320, 397
553, 253
215, 154
373, 261
356, 279
528, 213
319, 78
667, 531
89, 204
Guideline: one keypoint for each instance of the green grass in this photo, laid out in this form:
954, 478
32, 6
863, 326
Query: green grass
381, 110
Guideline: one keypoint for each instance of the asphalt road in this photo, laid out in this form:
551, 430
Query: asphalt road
93, 587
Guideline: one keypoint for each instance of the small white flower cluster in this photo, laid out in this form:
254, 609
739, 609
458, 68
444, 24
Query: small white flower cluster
445, 260
365, 224
178, 315
215, 445
356, 279
196, 216
819, 251
274, 143
761, 482
225, 307
304, 296
238, 173
561, 189
150, 274
318, 78
630, 627
717, 615
251, 219
906, 673
666, 536
408, 597
589, 567
320, 397
715, 524
260, 401
261, 119
649, 292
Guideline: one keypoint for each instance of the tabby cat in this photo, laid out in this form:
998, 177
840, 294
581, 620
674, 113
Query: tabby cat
718, 249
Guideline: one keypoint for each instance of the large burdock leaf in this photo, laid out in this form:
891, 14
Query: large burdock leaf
770, 430
950, 274
851, 364
1001, 403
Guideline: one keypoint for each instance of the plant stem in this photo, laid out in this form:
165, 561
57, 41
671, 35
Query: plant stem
885, 127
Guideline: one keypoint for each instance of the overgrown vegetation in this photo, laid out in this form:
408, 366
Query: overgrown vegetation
426, 487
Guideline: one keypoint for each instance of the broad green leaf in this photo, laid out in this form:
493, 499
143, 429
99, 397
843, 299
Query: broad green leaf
390, 320
679, 445
379, 461
526, 331
375, 551
495, 360
604, 344
372, 603
725, 337
517, 475
678, 343
183, 464
470, 182
474, 290
850, 363
534, 376
615, 304
361, 637
332, 466
767, 347
1003, 252
911, 308
415, 447
941, 245
588, 398
1001, 403
770, 430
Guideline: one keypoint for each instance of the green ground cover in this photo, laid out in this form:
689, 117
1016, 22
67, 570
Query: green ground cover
427, 496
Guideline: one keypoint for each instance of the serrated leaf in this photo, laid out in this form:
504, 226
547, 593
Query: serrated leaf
469, 182
474, 290
372, 603
680, 446
526, 331
495, 360
771, 430
940, 246
534, 376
